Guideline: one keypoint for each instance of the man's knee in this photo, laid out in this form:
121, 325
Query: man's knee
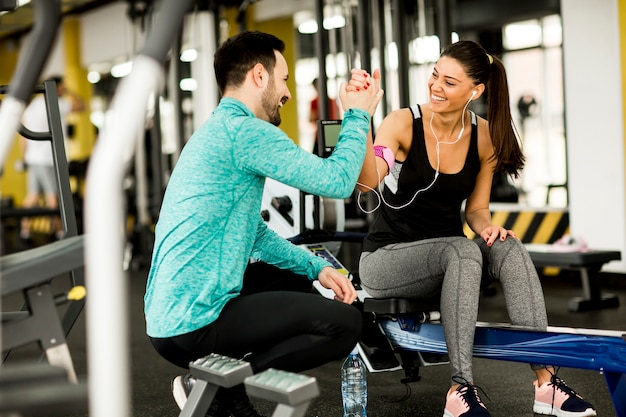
344, 318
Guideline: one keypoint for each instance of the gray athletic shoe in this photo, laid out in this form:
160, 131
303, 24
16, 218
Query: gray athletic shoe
181, 388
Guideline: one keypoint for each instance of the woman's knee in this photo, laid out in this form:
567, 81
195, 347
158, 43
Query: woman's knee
507, 249
510, 252
507, 244
464, 249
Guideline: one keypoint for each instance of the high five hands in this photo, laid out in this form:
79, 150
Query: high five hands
362, 92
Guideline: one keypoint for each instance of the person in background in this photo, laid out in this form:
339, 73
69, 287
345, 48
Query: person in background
431, 158
37, 157
314, 111
203, 294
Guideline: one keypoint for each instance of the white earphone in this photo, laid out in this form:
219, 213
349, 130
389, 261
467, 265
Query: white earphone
379, 192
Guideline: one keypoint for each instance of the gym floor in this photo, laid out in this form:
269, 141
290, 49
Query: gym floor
508, 385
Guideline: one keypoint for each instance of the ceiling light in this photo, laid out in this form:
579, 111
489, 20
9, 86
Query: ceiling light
334, 22
93, 77
122, 70
189, 55
188, 84
308, 27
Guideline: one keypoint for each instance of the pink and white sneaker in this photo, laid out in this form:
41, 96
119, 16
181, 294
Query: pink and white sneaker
465, 402
554, 398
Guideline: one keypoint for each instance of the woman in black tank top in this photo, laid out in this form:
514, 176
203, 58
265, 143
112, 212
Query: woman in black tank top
425, 162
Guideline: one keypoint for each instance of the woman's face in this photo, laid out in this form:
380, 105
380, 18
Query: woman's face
449, 86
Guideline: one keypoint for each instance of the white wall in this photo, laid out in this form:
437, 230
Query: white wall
55, 65
108, 35
272, 9
594, 124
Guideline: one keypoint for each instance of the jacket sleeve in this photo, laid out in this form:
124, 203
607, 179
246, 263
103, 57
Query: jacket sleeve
275, 250
267, 151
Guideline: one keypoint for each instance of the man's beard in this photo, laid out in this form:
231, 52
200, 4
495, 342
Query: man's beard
269, 105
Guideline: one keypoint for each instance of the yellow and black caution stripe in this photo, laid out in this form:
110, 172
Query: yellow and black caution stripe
541, 226
531, 226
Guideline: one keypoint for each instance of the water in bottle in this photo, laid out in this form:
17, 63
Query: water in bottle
354, 386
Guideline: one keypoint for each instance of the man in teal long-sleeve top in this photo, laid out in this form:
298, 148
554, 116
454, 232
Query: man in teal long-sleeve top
210, 228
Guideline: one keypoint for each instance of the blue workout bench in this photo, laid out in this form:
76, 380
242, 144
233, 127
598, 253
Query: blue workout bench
411, 341
402, 323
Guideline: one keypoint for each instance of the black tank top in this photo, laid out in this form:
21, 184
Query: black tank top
435, 212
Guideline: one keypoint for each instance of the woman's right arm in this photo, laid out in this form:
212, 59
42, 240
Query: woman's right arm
391, 134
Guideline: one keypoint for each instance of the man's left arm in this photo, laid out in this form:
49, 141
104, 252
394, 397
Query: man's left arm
273, 249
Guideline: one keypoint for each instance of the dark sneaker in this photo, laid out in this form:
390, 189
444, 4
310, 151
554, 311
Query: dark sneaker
181, 388
465, 402
236, 402
555, 398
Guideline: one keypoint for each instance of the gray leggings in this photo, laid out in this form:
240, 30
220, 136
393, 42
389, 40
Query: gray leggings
454, 266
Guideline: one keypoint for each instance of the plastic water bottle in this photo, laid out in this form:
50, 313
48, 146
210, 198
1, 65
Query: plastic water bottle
354, 386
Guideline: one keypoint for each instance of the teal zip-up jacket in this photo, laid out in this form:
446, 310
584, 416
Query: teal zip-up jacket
210, 225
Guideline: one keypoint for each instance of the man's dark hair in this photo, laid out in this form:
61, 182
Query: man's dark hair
240, 53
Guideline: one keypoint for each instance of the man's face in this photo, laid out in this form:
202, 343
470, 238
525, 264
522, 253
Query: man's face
276, 93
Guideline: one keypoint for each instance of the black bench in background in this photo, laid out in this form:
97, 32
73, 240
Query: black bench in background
589, 263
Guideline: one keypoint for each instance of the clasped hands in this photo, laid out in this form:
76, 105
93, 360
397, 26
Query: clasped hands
362, 91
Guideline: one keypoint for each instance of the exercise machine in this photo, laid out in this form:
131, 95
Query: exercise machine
411, 336
52, 386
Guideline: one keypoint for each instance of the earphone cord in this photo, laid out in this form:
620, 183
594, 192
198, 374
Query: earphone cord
379, 192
